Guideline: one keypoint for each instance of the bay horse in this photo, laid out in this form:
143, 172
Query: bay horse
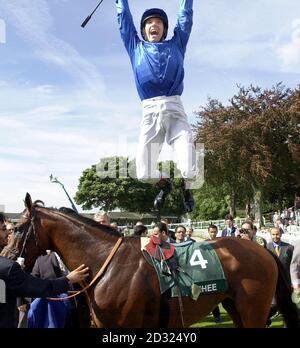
127, 294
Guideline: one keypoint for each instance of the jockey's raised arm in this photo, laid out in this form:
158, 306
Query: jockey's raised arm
184, 24
126, 26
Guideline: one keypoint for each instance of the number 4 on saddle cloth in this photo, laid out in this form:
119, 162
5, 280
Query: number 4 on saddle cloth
198, 268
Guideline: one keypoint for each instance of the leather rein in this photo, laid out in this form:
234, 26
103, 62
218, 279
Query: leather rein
100, 272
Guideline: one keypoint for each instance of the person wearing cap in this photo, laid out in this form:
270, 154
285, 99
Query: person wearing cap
158, 70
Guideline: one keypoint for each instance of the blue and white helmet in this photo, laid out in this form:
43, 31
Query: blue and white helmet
157, 13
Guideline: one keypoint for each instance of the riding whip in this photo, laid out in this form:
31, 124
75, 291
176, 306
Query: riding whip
90, 16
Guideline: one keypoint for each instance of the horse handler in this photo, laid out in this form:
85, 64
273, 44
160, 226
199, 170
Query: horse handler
19, 283
158, 69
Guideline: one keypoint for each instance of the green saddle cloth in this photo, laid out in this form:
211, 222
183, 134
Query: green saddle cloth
200, 271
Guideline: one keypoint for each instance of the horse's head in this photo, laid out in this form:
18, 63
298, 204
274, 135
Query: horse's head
27, 240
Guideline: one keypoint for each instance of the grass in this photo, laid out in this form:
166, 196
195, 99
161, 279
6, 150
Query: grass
209, 322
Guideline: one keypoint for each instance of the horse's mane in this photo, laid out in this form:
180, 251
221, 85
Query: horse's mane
70, 212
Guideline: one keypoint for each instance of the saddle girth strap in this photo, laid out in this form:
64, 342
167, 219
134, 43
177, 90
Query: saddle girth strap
175, 276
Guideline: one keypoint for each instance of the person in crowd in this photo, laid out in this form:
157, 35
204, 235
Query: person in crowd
126, 231
295, 269
285, 214
258, 239
291, 227
180, 234
46, 313
189, 234
291, 214
158, 69
21, 303
283, 250
171, 233
285, 224
279, 225
297, 218
153, 223
114, 225
276, 216
230, 229
5, 235
248, 231
19, 283
10, 227
212, 232
103, 218
140, 230
3, 232
160, 230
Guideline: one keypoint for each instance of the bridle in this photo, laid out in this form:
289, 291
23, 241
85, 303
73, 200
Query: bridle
32, 232
29, 233
85, 286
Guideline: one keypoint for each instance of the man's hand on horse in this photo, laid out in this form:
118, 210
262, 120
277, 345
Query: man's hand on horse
78, 274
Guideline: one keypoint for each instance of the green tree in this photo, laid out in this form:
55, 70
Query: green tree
251, 144
111, 184
211, 202
215, 128
108, 185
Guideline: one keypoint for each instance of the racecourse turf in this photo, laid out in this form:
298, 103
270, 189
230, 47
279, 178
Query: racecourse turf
209, 322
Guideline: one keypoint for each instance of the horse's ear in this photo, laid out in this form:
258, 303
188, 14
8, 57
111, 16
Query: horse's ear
28, 201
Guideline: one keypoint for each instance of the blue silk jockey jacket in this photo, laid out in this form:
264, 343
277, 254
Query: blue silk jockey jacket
157, 67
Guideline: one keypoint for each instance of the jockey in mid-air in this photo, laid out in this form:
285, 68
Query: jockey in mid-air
158, 69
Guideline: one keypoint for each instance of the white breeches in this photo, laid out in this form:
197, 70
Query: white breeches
163, 120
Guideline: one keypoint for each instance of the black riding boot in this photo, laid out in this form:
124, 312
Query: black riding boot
166, 187
188, 200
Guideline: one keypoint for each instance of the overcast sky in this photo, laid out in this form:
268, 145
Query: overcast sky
67, 94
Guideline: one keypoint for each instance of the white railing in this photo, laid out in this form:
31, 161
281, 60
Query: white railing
201, 227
